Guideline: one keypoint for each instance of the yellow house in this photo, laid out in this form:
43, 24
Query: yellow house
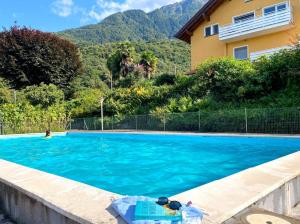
244, 29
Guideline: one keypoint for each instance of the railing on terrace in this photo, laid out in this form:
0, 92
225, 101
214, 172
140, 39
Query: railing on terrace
268, 120
260, 24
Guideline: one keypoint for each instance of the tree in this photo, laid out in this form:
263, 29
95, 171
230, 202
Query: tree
86, 102
121, 62
44, 95
5, 92
149, 63
31, 57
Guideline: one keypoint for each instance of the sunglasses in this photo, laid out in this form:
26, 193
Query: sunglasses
173, 205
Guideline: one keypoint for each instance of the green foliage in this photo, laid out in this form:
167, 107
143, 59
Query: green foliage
180, 105
30, 57
219, 84
84, 82
280, 70
127, 81
225, 79
5, 92
149, 63
135, 100
124, 69
165, 79
85, 102
121, 62
26, 118
170, 54
44, 95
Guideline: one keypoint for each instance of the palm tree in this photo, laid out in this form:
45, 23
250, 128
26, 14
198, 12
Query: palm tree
120, 63
149, 63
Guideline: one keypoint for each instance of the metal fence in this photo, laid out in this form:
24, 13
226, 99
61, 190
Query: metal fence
32, 127
267, 120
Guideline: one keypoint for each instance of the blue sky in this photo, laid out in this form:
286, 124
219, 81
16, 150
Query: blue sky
56, 15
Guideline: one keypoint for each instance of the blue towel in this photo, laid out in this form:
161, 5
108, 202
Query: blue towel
150, 210
125, 207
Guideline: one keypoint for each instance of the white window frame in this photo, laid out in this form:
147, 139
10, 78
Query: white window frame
204, 31
248, 56
233, 18
211, 30
280, 3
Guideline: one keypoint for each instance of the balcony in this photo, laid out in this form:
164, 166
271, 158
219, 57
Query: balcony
271, 23
255, 55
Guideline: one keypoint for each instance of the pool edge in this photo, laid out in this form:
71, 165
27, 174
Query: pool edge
186, 134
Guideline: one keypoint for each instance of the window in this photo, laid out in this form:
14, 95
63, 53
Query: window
216, 29
208, 31
269, 10
241, 53
245, 17
282, 7
275, 8
212, 30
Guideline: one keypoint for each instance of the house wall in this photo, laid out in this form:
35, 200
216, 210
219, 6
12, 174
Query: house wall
207, 47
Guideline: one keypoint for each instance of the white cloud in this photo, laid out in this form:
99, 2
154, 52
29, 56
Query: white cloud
104, 8
63, 8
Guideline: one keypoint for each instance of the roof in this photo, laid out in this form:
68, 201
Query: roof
203, 14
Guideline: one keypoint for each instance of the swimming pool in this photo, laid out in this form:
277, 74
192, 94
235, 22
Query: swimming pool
144, 164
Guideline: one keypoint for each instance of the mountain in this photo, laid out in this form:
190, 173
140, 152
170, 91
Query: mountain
137, 25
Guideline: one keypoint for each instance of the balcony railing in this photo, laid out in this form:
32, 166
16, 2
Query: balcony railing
258, 26
256, 55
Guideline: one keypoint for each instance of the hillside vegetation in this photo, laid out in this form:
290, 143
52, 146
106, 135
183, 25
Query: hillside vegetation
218, 84
172, 55
136, 25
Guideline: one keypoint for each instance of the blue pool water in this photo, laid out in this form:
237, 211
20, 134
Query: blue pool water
151, 165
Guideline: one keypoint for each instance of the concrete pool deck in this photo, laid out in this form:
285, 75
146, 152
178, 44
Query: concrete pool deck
31, 196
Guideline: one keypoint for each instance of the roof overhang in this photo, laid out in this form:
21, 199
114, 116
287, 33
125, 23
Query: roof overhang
202, 15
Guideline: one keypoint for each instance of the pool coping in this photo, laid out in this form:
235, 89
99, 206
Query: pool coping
77, 201
221, 199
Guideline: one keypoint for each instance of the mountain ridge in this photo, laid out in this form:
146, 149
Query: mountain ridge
137, 25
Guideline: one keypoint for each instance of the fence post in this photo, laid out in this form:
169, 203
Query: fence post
164, 122
246, 120
199, 120
112, 122
85, 127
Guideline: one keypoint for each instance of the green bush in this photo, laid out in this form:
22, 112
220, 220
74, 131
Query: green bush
224, 79
137, 99
280, 70
26, 118
85, 102
5, 92
44, 95
165, 79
